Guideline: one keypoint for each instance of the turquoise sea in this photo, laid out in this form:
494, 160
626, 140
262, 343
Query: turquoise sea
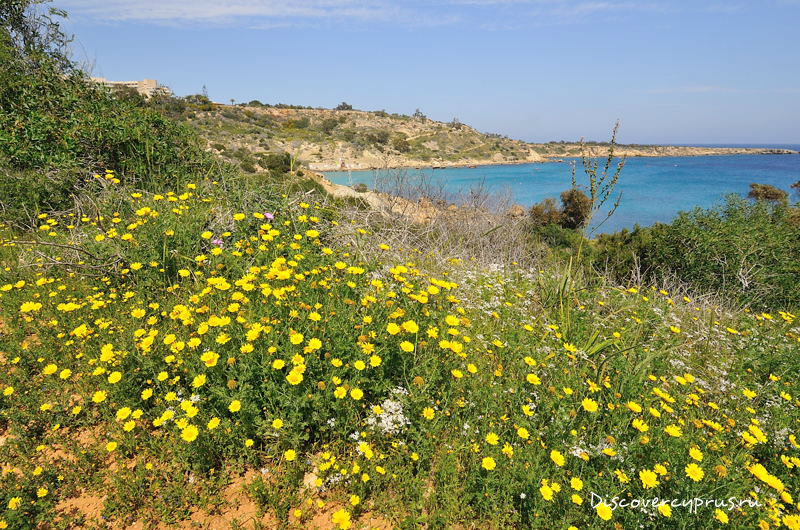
653, 189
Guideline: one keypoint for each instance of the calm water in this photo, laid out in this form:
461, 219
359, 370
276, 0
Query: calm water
653, 189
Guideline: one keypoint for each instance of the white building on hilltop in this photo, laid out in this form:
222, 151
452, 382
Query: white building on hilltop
145, 87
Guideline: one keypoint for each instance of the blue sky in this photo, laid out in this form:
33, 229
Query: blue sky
672, 71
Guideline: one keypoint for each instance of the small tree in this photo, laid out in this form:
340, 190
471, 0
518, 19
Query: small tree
545, 213
419, 115
576, 208
344, 106
34, 35
796, 187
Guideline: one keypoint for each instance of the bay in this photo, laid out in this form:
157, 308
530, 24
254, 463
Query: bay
653, 189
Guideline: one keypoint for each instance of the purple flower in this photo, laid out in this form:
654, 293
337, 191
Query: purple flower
269, 216
217, 242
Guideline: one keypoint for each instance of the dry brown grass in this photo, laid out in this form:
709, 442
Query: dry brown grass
475, 226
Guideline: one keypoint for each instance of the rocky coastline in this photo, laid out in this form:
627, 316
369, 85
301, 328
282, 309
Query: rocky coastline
360, 163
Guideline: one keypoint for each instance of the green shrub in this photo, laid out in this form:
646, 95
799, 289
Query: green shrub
400, 143
746, 251
277, 162
559, 237
620, 253
24, 194
303, 185
574, 213
301, 123
576, 208
545, 212
377, 137
328, 125
57, 128
348, 135
765, 192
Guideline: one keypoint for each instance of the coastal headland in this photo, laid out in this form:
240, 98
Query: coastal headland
331, 140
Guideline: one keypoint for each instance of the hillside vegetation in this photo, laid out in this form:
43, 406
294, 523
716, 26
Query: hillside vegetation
203, 347
324, 139
328, 139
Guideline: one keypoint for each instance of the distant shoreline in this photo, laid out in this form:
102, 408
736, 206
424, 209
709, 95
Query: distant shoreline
692, 151
441, 166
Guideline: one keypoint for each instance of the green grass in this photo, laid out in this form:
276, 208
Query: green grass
487, 382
